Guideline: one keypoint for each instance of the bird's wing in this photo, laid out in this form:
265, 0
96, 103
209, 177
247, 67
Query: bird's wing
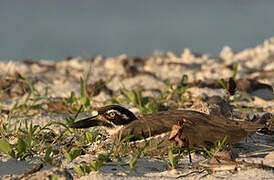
210, 132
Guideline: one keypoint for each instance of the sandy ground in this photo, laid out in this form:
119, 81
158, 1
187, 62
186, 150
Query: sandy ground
55, 79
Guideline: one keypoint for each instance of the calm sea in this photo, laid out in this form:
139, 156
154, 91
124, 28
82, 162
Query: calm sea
55, 29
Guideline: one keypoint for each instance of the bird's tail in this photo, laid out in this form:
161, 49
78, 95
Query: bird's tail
250, 126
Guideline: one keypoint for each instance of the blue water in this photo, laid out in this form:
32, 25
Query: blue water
55, 29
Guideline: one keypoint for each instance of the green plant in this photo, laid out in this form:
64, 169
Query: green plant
222, 82
74, 153
148, 105
79, 104
28, 141
54, 177
82, 169
119, 149
235, 71
93, 165
155, 147
242, 96
175, 92
23, 148
5, 146
73, 102
84, 137
235, 98
23, 139
132, 162
173, 160
99, 162
91, 136
84, 101
144, 104
7, 128
33, 97
230, 85
33, 91
218, 145
31, 102
47, 158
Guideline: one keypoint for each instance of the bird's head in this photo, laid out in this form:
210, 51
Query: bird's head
109, 116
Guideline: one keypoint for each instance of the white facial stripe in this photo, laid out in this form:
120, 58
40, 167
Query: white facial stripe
117, 112
125, 116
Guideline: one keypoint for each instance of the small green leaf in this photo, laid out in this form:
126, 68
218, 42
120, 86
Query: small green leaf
47, 157
171, 159
83, 100
75, 152
85, 168
222, 82
133, 162
103, 158
78, 170
21, 146
93, 164
89, 136
66, 154
126, 139
5, 146
151, 107
82, 87
12, 154
72, 98
53, 177
235, 71
88, 75
184, 79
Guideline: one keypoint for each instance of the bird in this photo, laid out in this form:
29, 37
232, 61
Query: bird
198, 129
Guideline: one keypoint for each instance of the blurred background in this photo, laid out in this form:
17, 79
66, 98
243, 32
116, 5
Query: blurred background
55, 29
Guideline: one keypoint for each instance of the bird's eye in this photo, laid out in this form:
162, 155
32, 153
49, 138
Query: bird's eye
112, 114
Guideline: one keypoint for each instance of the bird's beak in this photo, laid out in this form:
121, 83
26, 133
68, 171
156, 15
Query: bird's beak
97, 120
